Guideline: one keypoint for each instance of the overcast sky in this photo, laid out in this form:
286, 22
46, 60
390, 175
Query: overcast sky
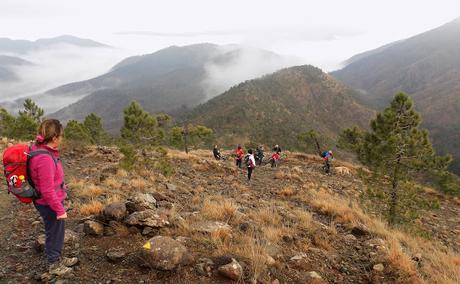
322, 33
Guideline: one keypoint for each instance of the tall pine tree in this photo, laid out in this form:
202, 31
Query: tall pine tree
395, 146
139, 126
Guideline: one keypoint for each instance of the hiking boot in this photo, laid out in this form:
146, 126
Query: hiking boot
69, 261
58, 269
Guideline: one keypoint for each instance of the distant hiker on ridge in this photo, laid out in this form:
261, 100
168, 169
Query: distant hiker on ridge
259, 155
216, 153
275, 159
250, 162
239, 156
327, 157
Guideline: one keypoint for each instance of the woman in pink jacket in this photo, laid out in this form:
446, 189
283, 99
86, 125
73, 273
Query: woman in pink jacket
47, 174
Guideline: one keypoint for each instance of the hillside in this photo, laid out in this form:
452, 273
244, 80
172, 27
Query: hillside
12, 46
275, 108
290, 225
169, 80
7, 64
426, 67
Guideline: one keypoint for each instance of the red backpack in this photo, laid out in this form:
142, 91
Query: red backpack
16, 169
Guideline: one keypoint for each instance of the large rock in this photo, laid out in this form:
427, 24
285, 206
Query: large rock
115, 211
141, 202
163, 253
94, 228
233, 270
150, 218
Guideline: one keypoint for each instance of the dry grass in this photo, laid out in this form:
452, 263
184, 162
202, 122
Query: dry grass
180, 155
266, 216
112, 183
223, 240
91, 191
138, 183
122, 173
93, 208
240, 187
287, 191
113, 198
218, 208
304, 219
274, 233
200, 167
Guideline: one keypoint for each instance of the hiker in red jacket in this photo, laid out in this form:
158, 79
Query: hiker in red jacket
239, 156
275, 159
47, 174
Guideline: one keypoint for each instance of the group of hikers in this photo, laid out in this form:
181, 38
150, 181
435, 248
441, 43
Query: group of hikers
251, 159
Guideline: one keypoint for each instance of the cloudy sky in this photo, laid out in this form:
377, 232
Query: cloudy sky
323, 33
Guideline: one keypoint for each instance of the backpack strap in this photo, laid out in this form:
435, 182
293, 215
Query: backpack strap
35, 153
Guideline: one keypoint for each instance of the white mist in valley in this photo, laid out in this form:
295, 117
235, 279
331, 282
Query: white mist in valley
52, 67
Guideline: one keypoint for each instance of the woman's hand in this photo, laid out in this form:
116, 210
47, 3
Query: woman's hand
63, 216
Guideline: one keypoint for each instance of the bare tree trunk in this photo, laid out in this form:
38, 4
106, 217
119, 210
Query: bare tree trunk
394, 192
317, 146
185, 139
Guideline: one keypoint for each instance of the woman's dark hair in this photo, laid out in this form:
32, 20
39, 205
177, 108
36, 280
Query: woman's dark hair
250, 151
49, 129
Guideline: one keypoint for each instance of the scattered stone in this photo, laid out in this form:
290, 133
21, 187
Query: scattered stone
171, 187
417, 257
134, 230
212, 226
270, 261
115, 254
299, 256
35, 223
233, 270
115, 211
150, 218
244, 227
374, 242
163, 253
359, 231
378, 267
94, 228
147, 230
313, 275
204, 266
109, 231
350, 237
141, 202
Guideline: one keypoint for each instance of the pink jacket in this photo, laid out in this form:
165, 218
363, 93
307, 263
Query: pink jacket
48, 179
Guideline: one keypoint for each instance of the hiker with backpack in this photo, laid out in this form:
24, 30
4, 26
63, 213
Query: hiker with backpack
275, 159
250, 162
327, 157
239, 156
38, 177
216, 153
259, 155
277, 149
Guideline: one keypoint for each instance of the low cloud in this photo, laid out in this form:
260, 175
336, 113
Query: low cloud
238, 64
56, 66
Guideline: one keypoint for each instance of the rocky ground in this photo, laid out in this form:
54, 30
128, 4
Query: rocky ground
207, 224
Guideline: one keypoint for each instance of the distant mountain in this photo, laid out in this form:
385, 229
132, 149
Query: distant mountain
427, 67
275, 108
168, 80
7, 64
11, 46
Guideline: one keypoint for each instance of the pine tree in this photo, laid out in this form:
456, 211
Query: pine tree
139, 126
93, 125
32, 110
309, 138
77, 132
7, 122
395, 146
190, 135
